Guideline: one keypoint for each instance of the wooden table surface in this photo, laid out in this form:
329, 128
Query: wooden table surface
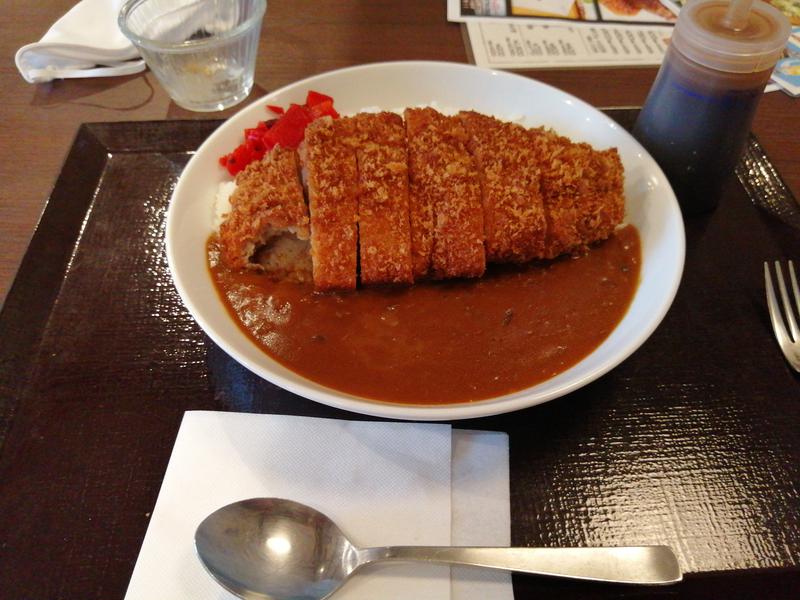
719, 443
300, 38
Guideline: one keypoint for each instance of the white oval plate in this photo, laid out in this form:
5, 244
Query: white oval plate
650, 205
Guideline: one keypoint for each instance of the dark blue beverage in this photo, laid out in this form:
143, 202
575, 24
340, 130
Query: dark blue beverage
697, 130
697, 117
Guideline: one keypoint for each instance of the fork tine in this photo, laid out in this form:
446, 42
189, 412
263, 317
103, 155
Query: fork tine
796, 293
787, 305
778, 325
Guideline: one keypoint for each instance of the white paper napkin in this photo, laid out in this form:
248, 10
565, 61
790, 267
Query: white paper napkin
85, 42
383, 483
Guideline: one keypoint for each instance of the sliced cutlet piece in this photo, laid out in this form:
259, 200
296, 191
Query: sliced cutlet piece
446, 174
420, 192
384, 234
559, 190
267, 227
513, 211
582, 190
601, 191
333, 202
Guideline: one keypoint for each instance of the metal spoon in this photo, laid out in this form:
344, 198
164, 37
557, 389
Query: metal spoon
276, 549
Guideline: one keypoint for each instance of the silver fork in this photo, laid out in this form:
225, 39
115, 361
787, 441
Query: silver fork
789, 341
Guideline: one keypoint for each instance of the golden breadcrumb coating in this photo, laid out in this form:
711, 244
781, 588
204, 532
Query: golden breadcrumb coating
420, 196
384, 233
602, 193
333, 202
582, 190
444, 174
513, 211
437, 197
267, 204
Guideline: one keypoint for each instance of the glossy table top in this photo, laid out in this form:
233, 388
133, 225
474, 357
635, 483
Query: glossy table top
693, 441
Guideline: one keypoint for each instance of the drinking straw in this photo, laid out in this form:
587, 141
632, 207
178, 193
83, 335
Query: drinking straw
736, 16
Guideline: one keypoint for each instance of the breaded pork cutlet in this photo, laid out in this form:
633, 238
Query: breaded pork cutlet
267, 227
333, 202
582, 191
513, 212
601, 191
444, 174
384, 235
420, 193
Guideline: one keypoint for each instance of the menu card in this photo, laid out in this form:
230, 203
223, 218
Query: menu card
510, 45
550, 34
518, 34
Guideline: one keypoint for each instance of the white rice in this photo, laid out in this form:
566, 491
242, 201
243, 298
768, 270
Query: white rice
222, 204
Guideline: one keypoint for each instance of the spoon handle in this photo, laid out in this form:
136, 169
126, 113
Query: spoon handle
648, 565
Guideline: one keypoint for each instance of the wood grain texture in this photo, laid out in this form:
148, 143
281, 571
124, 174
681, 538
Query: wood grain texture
300, 38
693, 441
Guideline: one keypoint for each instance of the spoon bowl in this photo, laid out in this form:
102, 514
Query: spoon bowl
276, 549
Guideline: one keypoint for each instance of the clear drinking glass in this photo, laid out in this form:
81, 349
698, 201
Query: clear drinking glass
202, 51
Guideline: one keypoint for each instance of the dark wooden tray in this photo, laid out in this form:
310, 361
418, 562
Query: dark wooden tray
694, 441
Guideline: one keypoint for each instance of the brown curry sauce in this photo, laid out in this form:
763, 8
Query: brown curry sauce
441, 342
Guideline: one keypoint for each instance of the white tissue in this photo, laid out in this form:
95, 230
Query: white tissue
85, 42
